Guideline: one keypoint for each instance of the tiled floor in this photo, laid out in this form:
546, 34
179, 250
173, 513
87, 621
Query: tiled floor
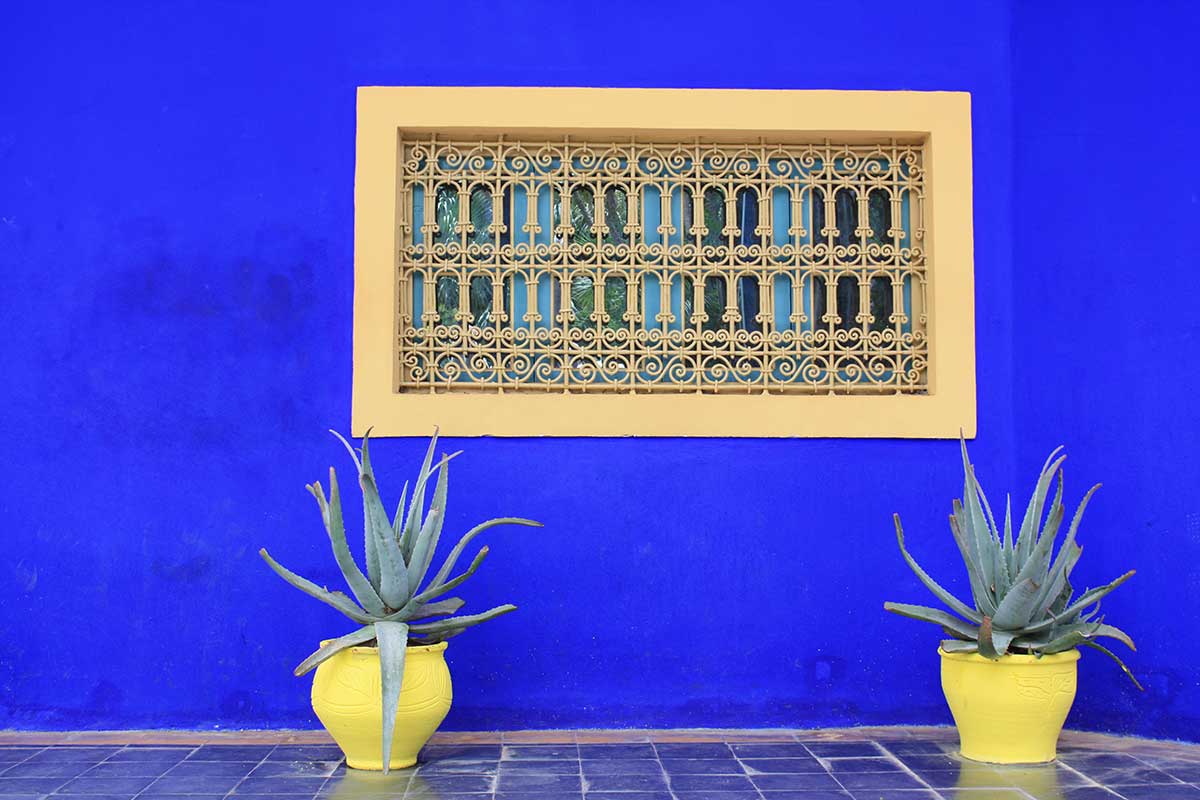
880, 764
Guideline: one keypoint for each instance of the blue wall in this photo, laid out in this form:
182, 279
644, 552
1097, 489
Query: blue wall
1104, 321
175, 232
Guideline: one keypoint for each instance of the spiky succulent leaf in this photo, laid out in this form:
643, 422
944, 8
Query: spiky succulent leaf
1068, 555
1028, 533
940, 593
1039, 559
1085, 600
336, 599
331, 649
1010, 546
959, 646
979, 591
393, 643
427, 540
442, 608
437, 590
394, 588
1001, 640
335, 526
975, 527
398, 520
369, 551
1018, 606
937, 616
1063, 641
452, 559
457, 623
412, 525
1101, 648
987, 648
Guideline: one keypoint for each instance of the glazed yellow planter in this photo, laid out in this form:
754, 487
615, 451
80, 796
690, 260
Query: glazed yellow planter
347, 698
1009, 711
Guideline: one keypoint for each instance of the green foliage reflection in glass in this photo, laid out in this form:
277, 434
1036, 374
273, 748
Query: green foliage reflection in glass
447, 234
617, 290
879, 220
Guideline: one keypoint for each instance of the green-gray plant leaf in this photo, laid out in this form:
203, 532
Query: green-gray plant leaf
431, 531
935, 615
412, 525
453, 623
1018, 606
441, 608
942, 594
451, 559
336, 599
394, 588
393, 643
1085, 600
369, 551
437, 590
979, 592
335, 526
331, 649
1101, 648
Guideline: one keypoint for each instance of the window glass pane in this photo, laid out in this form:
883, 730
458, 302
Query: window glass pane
882, 303
847, 303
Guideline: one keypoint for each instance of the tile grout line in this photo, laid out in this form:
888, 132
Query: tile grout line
663, 769
583, 784
1058, 762
742, 764
22, 761
161, 775
890, 756
262, 761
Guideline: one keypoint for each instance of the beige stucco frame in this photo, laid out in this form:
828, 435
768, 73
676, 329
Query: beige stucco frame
941, 119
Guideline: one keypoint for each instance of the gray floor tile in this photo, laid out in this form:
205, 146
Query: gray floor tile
539, 752
610, 751
709, 783
534, 782
843, 749
702, 766
626, 783
843, 765
757, 766
864, 781
1177, 791
279, 786
45, 769
796, 782
90, 785
709, 750
622, 766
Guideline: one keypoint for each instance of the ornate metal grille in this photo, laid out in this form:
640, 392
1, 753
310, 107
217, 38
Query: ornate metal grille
649, 267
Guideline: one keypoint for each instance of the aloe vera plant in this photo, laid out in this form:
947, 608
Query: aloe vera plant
1023, 598
391, 608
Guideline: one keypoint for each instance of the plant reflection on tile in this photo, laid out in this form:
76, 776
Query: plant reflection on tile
1038, 780
355, 784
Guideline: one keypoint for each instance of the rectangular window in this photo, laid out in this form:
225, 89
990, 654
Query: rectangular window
542, 265
663, 262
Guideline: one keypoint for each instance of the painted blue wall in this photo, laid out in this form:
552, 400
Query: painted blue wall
1105, 328
175, 235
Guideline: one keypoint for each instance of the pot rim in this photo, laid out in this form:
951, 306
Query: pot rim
1014, 658
412, 648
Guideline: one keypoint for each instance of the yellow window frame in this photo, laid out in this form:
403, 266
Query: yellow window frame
940, 121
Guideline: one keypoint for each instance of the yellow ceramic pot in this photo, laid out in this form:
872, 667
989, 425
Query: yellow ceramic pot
1009, 711
347, 698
